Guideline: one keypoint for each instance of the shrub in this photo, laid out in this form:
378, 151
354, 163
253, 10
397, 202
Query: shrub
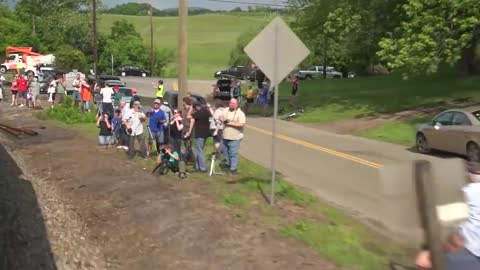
69, 114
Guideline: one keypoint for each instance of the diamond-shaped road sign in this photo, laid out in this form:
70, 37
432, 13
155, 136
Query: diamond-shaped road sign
276, 50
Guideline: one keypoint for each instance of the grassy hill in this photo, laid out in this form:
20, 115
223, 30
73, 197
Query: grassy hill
211, 36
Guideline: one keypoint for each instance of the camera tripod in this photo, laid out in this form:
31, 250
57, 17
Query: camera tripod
213, 158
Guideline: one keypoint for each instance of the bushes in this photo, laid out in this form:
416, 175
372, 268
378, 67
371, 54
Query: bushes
69, 114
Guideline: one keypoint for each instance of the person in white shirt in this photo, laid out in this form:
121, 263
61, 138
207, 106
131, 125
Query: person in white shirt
2, 79
216, 125
77, 84
107, 100
133, 120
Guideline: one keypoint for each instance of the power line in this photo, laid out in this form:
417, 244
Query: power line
249, 3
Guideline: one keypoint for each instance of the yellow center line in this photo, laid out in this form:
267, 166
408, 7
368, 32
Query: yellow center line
320, 148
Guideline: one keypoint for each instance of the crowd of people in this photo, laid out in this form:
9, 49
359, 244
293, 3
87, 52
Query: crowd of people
172, 134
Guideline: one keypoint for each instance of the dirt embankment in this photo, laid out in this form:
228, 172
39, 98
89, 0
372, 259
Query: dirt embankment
88, 208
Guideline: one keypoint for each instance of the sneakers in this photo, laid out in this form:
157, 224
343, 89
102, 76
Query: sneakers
120, 147
21, 105
233, 172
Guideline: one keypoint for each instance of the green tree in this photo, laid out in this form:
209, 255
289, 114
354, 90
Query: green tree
432, 33
346, 32
69, 58
12, 31
126, 46
56, 23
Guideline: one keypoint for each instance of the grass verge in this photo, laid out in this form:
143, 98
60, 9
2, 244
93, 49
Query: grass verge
331, 233
399, 132
330, 100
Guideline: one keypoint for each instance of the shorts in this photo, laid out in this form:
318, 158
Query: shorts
14, 92
22, 94
76, 96
159, 137
218, 138
250, 100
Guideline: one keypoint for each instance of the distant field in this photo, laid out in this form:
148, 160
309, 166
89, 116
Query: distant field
211, 36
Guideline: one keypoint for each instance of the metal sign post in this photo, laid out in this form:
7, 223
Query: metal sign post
276, 50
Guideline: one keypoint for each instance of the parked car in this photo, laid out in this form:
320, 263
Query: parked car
317, 71
112, 83
123, 94
108, 77
131, 70
456, 131
222, 89
44, 78
237, 72
172, 98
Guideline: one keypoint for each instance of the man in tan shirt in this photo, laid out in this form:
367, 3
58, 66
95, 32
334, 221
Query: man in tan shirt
234, 120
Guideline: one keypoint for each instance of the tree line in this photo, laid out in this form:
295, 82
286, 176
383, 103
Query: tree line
380, 36
369, 36
143, 9
64, 28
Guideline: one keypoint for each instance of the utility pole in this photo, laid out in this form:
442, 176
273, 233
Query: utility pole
94, 31
325, 45
151, 40
182, 50
34, 29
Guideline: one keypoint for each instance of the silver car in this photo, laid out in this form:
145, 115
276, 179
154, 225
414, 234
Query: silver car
455, 131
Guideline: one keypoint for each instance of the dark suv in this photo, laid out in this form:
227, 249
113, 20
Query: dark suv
237, 72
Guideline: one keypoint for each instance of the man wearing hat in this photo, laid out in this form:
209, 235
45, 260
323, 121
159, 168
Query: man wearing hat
133, 120
156, 123
200, 121
168, 115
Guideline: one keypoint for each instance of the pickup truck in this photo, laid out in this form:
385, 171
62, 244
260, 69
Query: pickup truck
317, 71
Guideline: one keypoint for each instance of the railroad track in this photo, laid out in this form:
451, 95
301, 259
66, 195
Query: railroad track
17, 132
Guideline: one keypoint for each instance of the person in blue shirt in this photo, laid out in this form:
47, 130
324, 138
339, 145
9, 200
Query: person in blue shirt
156, 130
119, 132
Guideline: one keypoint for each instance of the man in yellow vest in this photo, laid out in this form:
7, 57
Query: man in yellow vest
160, 90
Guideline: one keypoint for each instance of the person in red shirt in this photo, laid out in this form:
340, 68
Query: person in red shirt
22, 90
294, 83
14, 90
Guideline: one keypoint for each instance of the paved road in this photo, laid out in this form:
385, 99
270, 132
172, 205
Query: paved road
144, 85
341, 169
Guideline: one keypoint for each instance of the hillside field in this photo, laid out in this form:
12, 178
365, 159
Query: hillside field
211, 36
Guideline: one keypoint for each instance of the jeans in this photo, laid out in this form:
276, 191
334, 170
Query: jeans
199, 152
188, 153
230, 153
131, 145
107, 108
86, 105
158, 136
463, 260
76, 96
176, 144
122, 137
104, 140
